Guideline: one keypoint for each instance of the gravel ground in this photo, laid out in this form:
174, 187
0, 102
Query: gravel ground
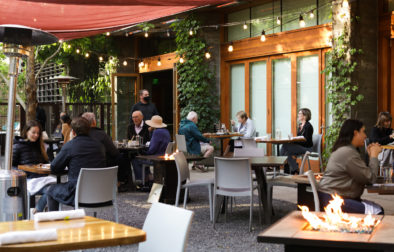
232, 235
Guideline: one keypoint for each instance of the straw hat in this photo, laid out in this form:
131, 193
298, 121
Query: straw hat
156, 122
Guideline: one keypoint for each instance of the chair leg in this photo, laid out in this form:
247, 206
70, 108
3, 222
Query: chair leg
259, 199
95, 214
185, 198
225, 208
116, 213
251, 212
178, 192
214, 210
143, 175
210, 202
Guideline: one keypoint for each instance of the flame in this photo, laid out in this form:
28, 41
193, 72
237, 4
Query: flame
334, 220
171, 156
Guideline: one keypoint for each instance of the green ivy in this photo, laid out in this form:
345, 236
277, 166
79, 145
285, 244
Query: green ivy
342, 94
196, 85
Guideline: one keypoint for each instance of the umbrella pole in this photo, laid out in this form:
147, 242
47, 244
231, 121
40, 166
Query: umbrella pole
13, 73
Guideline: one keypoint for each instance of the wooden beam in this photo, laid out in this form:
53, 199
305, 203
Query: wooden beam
167, 63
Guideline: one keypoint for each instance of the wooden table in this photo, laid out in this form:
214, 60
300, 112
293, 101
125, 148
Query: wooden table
290, 231
278, 142
75, 234
221, 137
381, 187
166, 173
388, 147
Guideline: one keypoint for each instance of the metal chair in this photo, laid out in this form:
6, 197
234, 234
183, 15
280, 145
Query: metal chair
184, 175
181, 143
96, 188
170, 148
316, 153
167, 228
233, 178
251, 152
248, 143
313, 182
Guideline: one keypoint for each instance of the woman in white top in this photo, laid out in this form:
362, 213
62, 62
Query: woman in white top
245, 126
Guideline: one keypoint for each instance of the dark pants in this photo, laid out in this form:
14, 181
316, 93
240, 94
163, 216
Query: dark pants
53, 205
43, 200
291, 150
124, 168
137, 168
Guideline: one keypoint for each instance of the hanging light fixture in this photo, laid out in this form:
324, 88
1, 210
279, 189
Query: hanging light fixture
158, 62
207, 55
101, 58
302, 21
124, 63
181, 60
311, 14
245, 26
146, 34
87, 55
262, 38
230, 47
278, 20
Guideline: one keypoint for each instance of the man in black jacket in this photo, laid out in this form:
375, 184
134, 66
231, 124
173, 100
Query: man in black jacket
148, 109
138, 127
81, 152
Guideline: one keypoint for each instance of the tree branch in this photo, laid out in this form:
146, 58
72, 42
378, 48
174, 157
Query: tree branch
21, 102
47, 59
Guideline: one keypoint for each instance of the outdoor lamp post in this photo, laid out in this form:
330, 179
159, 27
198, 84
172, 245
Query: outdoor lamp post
13, 193
64, 80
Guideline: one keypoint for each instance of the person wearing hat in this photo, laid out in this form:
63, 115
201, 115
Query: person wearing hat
158, 143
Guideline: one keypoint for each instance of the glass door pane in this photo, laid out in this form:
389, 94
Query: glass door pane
125, 88
308, 87
237, 83
281, 98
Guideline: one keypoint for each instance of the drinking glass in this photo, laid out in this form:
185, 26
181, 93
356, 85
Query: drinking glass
278, 134
125, 142
269, 136
388, 174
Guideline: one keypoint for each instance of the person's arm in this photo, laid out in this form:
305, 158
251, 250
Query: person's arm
197, 134
377, 138
362, 173
250, 129
112, 150
154, 144
61, 161
15, 156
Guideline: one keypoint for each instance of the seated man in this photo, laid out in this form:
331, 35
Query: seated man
138, 127
158, 144
195, 142
81, 152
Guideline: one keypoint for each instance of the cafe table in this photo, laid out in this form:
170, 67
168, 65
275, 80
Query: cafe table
76, 234
278, 142
381, 187
221, 137
388, 147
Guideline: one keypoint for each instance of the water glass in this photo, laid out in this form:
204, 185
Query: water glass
124, 142
269, 136
278, 134
388, 174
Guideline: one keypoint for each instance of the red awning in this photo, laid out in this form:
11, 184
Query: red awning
89, 17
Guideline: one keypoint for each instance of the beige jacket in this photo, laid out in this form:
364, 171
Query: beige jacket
66, 131
347, 174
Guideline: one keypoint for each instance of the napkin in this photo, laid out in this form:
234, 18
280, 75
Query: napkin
261, 138
298, 137
28, 236
35, 184
59, 215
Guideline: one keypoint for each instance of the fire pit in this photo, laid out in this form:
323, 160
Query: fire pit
331, 230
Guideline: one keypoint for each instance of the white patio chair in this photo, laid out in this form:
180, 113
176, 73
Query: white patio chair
233, 178
248, 152
181, 143
167, 229
316, 153
248, 143
170, 148
184, 176
96, 189
313, 182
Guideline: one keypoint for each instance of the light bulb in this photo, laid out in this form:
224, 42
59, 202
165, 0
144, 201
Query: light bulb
191, 32
68, 46
207, 55
158, 62
278, 20
262, 38
101, 58
311, 15
230, 47
146, 34
87, 55
107, 33
181, 60
78, 51
302, 22
168, 33
345, 4
245, 26
125, 63
127, 34
61, 41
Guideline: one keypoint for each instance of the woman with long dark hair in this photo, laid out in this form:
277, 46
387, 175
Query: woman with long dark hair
66, 127
347, 174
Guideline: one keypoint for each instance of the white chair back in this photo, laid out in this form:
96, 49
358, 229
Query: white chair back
252, 152
312, 181
182, 167
170, 148
167, 229
248, 143
181, 143
96, 185
316, 139
233, 176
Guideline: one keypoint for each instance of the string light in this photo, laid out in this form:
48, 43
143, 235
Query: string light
127, 34
158, 62
181, 60
302, 21
146, 34
262, 38
230, 47
245, 26
87, 55
61, 41
77, 51
101, 58
345, 4
311, 15
191, 32
125, 63
68, 46
168, 33
107, 33
207, 55
278, 20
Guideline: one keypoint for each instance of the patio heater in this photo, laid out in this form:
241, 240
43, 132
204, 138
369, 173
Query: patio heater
13, 191
64, 80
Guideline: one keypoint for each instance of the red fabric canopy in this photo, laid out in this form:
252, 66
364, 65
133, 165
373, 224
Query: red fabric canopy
89, 17
132, 2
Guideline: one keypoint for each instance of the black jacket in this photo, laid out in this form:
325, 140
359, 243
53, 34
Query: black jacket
26, 152
111, 152
80, 152
381, 135
148, 110
144, 133
307, 132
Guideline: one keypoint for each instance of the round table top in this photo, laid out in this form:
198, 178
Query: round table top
38, 168
224, 135
388, 147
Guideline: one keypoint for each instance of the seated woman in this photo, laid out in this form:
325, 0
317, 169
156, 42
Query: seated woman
66, 127
28, 149
158, 144
245, 126
305, 129
347, 174
382, 133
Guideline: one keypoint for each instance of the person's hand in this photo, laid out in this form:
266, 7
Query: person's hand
374, 149
232, 122
150, 129
392, 136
